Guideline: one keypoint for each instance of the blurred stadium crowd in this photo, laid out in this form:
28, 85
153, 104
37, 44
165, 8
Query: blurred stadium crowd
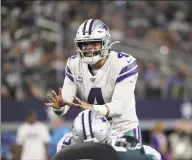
37, 39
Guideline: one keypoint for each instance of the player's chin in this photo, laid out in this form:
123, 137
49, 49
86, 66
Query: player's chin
90, 53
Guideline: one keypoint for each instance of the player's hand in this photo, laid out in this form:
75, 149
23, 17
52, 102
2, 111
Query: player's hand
57, 101
83, 105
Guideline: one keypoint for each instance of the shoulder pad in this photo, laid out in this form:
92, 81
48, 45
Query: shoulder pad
71, 60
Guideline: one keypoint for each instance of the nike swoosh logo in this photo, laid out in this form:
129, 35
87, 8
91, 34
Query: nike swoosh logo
129, 61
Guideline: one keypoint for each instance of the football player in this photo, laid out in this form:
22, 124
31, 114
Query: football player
91, 126
104, 79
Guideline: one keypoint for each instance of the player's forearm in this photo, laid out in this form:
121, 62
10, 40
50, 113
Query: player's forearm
115, 108
103, 109
109, 109
68, 91
122, 97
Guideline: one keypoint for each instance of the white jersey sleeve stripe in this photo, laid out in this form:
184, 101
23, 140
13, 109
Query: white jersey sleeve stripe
120, 78
128, 67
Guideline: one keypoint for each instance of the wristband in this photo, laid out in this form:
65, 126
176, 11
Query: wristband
58, 111
103, 109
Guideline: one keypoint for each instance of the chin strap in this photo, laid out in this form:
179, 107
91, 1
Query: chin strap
113, 44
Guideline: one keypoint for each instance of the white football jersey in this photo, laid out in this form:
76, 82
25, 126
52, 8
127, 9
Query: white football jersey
113, 85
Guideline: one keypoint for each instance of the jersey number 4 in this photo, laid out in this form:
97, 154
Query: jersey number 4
122, 54
95, 96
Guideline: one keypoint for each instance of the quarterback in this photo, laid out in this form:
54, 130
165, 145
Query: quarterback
104, 79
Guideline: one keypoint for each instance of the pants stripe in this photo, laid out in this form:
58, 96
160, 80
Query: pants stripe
136, 132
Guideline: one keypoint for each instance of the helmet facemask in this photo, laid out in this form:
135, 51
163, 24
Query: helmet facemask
93, 56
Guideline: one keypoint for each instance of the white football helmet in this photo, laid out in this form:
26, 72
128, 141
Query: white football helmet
93, 30
90, 125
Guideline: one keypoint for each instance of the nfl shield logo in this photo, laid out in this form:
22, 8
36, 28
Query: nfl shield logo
92, 79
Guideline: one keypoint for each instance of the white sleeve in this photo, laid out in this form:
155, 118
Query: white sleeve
68, 91
122, 96
69, 88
